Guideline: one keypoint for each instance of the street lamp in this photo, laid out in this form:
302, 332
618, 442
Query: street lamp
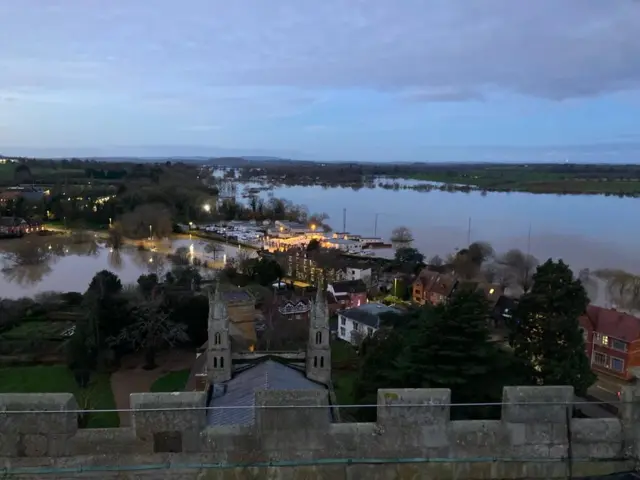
313, 226
150, 232
206, 207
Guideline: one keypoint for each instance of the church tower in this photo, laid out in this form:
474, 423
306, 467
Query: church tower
219, 346
318, 360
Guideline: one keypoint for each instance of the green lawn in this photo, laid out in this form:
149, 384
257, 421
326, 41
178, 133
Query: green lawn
171, 382
37, 330
59, 379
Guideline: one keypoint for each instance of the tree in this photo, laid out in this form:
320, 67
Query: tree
520, 266
22, 173
104, 284
435, 261
622, 288
313, 245
409, 255
147, 220
265, 271
401, 235
547, 333
151, 330
451, 348
468, 261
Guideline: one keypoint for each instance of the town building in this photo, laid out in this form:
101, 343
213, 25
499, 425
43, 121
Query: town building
432, 287
348, 293
356, 323
233, 378
612, 341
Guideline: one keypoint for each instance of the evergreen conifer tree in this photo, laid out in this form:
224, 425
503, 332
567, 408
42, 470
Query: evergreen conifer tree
546, 333
452, 349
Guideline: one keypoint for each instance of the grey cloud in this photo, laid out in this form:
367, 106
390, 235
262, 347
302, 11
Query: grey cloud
545, 48
446, 95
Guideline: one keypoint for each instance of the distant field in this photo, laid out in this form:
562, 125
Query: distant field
535, 180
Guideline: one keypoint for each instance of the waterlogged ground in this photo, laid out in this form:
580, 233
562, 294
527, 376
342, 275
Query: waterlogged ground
33, 264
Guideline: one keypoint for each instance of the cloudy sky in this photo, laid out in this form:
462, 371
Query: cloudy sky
404, 80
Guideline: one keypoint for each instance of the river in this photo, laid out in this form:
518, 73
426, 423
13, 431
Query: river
586, 231
66, 265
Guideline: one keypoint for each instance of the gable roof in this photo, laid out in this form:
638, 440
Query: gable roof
435, 282
349, 286
241, 389
613, 323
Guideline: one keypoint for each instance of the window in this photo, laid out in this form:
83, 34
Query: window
221, 362
318, 338
356, 326
315, 362
343, 332
601, 339
599, 359
217, 339
617, 364
215, 362
369, 331
618, 345
343, 321
321, 362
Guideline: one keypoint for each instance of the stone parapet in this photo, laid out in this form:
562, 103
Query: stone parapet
293, 437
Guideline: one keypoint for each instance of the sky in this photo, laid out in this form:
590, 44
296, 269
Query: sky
354, 80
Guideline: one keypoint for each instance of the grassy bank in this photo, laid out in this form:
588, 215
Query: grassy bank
171, 382
59, 379
535, 179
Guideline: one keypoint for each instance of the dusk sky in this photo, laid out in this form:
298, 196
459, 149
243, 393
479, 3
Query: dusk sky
358, 80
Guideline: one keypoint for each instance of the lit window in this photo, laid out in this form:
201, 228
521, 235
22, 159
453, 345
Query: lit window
605, 340
491, 291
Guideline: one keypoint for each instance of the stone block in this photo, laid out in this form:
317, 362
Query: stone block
33, 445
170, 414
536, 404
43, 413
477, 438
278, 411
424, 407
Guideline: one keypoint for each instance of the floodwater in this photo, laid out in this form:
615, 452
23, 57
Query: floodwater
33, 264
585, 231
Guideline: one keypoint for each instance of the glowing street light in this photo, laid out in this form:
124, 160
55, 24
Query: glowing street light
313, 226
206, 207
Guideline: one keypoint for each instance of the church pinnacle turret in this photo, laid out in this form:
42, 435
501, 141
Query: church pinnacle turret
318, 361
219, 345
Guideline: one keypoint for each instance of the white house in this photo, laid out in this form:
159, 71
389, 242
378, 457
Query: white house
356, 323
357, 273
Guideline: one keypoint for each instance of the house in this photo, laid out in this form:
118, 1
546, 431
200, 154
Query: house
356, 323
349, 293
358, 272
294, 308
293, 228
612, 341
432, 287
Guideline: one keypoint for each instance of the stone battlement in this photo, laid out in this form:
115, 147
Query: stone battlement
412, 438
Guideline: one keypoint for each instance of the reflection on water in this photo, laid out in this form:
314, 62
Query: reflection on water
33, 265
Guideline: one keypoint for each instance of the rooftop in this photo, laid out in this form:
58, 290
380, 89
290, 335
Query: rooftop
613, 323
369, 313
349, 286
241, 390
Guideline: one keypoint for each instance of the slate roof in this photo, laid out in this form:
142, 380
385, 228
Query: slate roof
240, 391
613, 323
349, 286
369, 313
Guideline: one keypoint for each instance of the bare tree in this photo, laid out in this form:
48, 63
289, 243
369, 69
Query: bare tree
623, 288
148, 220
401, 235
151, 330
435, 261
589, 282
521, 266
242, 260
